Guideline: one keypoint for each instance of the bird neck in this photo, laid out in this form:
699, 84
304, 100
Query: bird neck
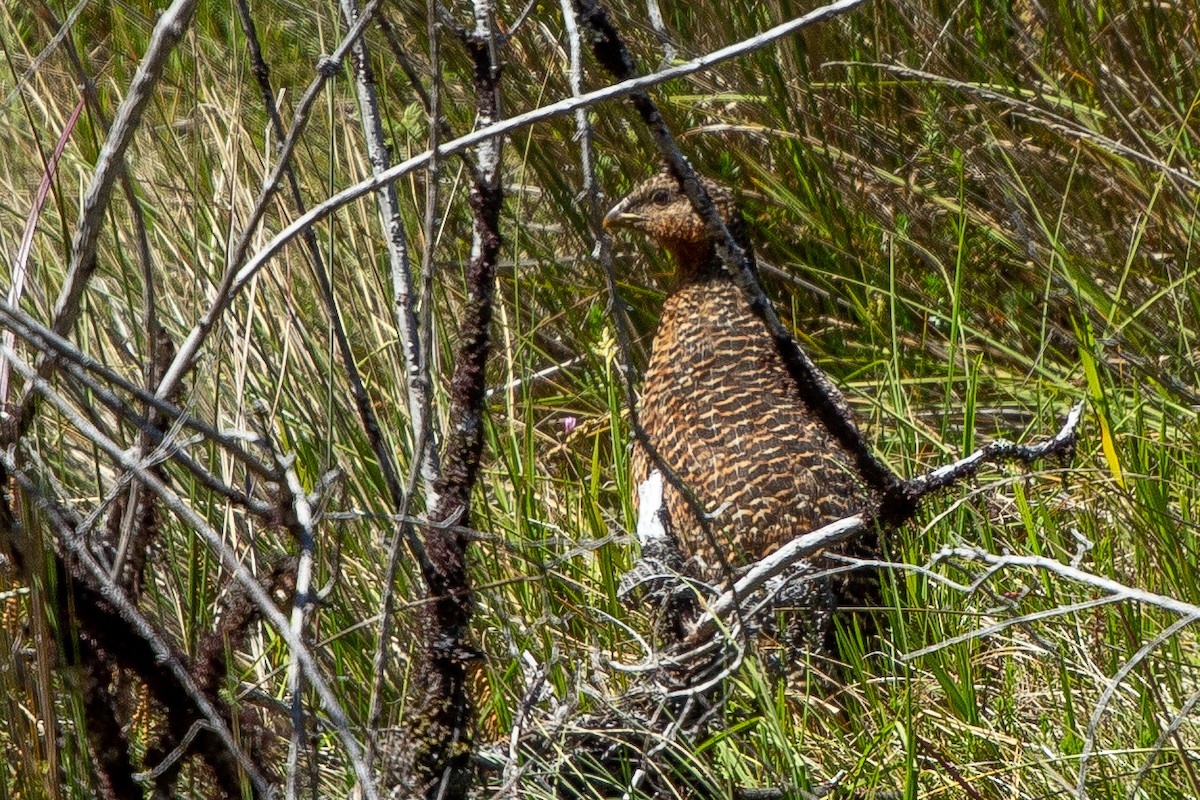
695, 262
698, 262
696, 259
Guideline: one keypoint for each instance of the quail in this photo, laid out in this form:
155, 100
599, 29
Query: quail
722, 411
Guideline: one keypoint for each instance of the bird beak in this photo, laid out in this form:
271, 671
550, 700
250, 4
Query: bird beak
618, 216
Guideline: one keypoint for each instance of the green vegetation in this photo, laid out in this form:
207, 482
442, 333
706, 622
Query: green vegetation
974, 215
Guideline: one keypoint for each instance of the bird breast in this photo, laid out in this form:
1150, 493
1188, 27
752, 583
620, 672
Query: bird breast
721, 409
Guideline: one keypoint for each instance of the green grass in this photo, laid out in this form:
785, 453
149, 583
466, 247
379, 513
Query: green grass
965, 268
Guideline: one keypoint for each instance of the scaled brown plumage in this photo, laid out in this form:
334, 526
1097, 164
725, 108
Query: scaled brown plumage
718, 403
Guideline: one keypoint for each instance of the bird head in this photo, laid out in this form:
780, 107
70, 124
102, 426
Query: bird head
658, 208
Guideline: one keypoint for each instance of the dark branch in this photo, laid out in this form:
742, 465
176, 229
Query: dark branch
440, 764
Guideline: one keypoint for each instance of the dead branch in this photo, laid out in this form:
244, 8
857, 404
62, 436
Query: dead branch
122, 631
1116, 591
439, 764
416, 360
221, 550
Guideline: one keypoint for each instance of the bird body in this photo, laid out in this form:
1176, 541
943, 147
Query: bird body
718, 404
721, 410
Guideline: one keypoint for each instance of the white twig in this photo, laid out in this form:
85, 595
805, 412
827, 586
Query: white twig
300, 605
1089, 741
416, 364
1058, 611
536, 690
775, 564
660, 30
167, 33
1183, 715
1116, 591
176, 753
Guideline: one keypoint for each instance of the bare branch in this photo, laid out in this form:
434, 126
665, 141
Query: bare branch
110, 166
1089, 741
1117, 592
999, 450
425, 462
791, 554
171, 26
302, 524
163, 653
1170, 730
226, 556
416, 362
439, 765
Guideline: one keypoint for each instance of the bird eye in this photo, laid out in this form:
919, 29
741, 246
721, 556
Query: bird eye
661, 197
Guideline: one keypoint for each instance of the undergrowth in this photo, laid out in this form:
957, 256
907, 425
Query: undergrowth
972, 215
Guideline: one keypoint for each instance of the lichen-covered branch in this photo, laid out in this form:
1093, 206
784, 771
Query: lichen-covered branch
441, 726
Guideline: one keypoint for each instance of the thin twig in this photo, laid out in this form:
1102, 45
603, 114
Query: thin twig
425, 463
176, 753
1170, 730
110, 166
416, 362
997, 451
228, 559
80, 366
169, 29
1116, 591
1089, 740
302, 525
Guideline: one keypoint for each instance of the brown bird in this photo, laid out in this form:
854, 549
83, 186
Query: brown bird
720, 407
